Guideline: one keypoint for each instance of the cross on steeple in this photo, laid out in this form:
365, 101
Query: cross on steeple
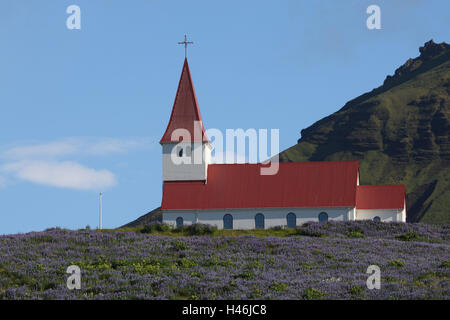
185, 42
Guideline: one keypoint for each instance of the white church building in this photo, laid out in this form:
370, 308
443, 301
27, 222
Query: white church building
237, 196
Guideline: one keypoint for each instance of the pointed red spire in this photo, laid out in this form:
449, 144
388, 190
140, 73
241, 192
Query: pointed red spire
185, 111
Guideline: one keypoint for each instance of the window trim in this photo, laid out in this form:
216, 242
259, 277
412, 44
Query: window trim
259, 214
322, 214
295, 219
182, 221
232, 220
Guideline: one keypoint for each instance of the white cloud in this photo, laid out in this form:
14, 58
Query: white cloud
50, 150
74, 146
52, 163
2, 182
107, 146
65, 174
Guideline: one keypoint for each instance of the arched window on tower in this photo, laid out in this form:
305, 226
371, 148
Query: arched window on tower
228, 221
291, 220
180, 152
259, 221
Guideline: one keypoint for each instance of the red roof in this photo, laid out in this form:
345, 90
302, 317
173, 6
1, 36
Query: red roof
380, 197
185, 110
297, 184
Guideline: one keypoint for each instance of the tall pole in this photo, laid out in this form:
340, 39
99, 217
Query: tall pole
100, 212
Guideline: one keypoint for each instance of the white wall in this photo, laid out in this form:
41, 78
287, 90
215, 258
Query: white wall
352, 214
385, 215
245, 218
186, 171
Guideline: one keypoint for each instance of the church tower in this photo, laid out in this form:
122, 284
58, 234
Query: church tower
185, 146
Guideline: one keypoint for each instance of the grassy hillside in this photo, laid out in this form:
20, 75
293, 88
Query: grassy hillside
153, 216
399, 132
314, 261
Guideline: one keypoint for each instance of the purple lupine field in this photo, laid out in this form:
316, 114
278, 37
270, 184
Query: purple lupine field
314, 261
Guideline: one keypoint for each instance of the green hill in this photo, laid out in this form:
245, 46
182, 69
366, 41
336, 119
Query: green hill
150, 217
398, 132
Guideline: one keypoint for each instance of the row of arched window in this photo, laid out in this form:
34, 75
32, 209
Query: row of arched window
291, 220
259, 220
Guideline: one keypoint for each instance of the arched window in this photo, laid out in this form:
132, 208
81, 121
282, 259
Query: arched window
291, 220
259, 221
179, 222
180, 152
228, 221
323, 217
377, 219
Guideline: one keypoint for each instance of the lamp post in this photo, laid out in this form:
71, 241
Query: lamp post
100, 212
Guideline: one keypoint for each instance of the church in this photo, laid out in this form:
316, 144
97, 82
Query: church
237, 196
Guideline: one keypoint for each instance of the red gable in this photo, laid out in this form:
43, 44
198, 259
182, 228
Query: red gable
185, 110
297, 184
380, 197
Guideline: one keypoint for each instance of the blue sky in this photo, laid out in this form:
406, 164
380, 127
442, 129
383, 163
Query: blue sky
82, 111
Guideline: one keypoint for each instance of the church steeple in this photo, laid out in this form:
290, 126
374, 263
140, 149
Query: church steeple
185, 146
185, 111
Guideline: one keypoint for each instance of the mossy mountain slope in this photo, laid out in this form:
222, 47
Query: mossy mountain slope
399, 133
150, 217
